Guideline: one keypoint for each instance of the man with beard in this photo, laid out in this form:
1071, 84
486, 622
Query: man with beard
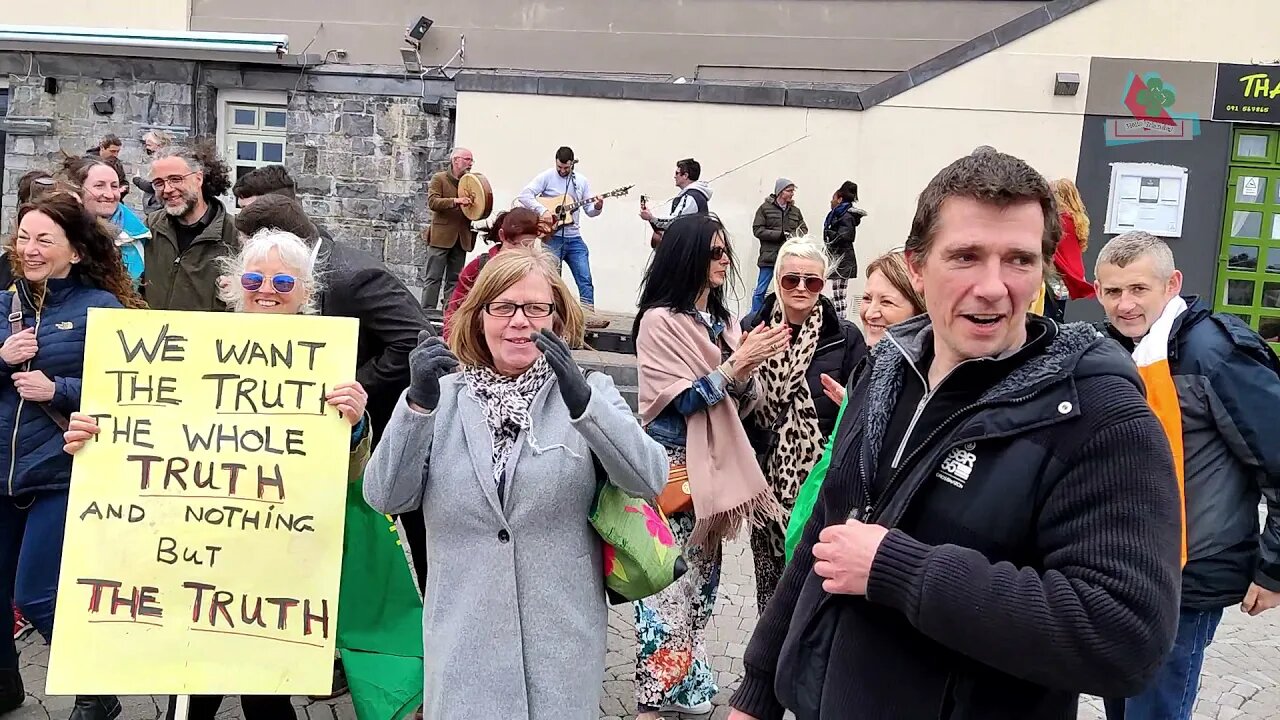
191, 233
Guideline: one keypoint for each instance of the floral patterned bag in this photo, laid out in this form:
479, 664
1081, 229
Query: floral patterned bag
641, 556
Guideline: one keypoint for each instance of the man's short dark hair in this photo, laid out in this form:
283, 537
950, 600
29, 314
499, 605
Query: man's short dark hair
266, 180
690, 167
564, 154
278, 211
991, 178
110, 140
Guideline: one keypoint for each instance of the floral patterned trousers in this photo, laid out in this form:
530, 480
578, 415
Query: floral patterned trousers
671, 657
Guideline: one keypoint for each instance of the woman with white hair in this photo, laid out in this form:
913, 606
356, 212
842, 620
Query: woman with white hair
790, 425
152, 141
273, 273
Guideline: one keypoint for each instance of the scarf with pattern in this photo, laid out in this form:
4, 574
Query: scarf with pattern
506, 402
788, 406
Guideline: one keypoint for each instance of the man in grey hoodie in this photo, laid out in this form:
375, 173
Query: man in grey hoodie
692, 199
777, 219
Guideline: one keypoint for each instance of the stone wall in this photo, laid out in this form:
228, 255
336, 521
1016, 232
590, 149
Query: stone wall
140, 105
362, 164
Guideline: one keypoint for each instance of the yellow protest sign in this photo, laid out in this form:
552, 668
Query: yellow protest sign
204, 528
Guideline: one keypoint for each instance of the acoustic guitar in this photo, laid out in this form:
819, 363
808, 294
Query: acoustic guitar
562, 212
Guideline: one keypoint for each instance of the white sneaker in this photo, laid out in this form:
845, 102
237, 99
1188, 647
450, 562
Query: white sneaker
702, 708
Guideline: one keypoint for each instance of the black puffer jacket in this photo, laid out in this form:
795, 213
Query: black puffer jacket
840, 349
839, 235
1032, 553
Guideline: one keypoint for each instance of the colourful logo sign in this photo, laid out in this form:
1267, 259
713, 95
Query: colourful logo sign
1150, 100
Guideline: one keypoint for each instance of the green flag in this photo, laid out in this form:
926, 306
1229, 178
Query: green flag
379, 615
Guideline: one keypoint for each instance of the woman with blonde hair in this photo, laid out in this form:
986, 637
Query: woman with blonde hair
888, 298
498, 440
1070, 282
791, 423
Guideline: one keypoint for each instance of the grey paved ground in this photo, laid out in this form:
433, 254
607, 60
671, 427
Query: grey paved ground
1241, 679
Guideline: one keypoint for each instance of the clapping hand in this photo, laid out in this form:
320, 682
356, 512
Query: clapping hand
832, 389
573, 384
758, 345
428, 362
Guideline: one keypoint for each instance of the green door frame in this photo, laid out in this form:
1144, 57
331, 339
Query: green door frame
1249, 255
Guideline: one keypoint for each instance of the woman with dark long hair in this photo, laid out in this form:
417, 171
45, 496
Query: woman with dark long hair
839, 231
66, 262
697, 378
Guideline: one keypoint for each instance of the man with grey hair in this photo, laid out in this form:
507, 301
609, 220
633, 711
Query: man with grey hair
449, 236
1215, 386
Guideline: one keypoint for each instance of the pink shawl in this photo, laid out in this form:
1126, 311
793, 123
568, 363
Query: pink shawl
726, 482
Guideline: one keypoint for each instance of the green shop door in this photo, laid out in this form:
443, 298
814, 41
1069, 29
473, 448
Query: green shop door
1249, 262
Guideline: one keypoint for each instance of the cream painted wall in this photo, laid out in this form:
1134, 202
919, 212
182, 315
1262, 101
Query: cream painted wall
891, 152
1004, 99
148, 14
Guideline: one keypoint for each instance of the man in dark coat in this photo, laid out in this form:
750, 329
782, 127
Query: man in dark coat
777, 219
998, 528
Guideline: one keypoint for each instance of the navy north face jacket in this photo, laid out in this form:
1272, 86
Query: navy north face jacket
31, 456
1228, 383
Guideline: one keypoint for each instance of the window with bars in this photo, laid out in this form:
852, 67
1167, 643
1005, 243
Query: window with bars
255, 136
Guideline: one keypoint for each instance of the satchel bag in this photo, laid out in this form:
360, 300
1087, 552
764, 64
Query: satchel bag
676, 497
15, 327
641, 557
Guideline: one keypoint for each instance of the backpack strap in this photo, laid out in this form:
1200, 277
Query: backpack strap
15, 327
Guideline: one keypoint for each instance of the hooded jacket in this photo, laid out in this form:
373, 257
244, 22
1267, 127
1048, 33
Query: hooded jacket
773, 225
839, 232
31, 456
684, 204
1228, 383
1032, 553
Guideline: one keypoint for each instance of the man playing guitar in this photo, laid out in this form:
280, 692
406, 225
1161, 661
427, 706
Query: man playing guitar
691, 200
567, 186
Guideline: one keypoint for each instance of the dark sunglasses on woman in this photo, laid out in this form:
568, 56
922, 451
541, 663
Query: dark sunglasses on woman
812, 283
280, 282
717, 253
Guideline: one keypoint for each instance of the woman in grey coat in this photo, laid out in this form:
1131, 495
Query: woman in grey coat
499, 457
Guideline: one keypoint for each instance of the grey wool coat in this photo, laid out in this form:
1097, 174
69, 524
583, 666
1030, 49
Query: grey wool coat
514, 612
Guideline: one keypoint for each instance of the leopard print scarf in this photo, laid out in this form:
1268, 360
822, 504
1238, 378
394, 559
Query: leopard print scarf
785, 391
506, 402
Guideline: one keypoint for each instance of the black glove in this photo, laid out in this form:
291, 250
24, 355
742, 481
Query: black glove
428, 362
573, 384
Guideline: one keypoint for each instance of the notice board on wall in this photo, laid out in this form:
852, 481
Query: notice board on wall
204, 530
1147, 196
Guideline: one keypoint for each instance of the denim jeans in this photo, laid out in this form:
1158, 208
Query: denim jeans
1172, 694
762, 289
573, 252
30, 554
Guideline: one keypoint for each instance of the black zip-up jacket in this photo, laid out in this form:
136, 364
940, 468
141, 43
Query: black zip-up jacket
356, 285
840, 349
1032, 555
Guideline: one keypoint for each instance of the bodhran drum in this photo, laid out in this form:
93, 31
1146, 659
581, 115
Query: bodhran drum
476, 186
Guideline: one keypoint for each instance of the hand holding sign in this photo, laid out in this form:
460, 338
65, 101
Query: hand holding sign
350, 399
19, 347
33, 386
80, 429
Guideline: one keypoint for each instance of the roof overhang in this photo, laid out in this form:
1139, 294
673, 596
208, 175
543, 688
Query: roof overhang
172, 44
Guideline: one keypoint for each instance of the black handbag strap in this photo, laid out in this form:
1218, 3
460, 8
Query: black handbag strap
15, 327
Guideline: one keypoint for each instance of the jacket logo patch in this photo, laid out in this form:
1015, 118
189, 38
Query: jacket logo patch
64, 325
957, 466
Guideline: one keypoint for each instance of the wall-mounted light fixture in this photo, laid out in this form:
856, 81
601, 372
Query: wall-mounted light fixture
1066, 83
104, 105
419, 29
412, 61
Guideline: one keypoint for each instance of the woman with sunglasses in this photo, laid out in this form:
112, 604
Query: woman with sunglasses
697, 373
66, 263
791, 424
273, 273
501, 441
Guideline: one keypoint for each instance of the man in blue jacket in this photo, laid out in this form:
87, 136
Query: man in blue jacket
1223, 388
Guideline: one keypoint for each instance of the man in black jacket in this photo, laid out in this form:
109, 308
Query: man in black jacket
998, 528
